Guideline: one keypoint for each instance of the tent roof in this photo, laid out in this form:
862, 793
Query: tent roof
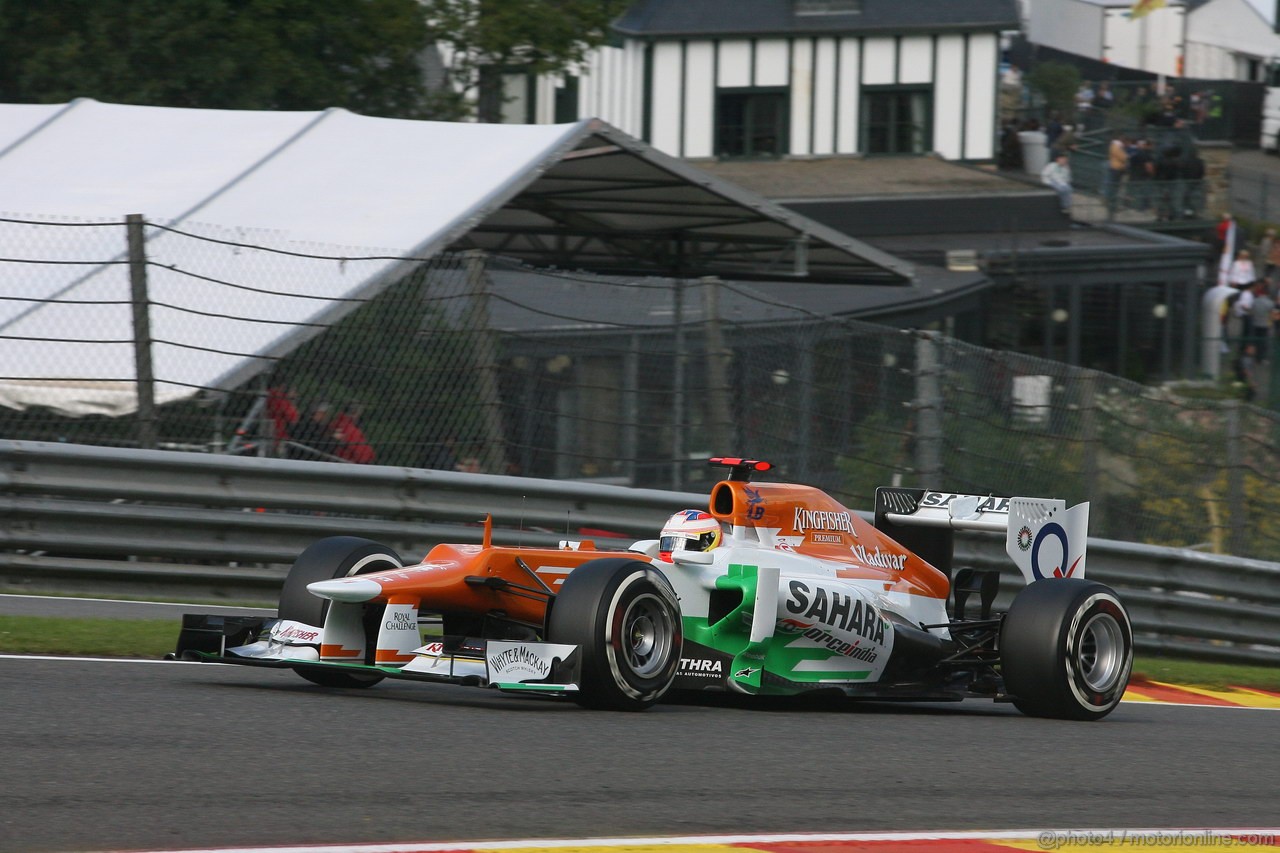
578, 196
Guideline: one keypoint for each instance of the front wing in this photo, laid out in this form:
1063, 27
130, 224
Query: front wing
509, 665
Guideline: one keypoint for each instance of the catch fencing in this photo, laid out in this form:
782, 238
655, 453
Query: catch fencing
82, 518
467, 363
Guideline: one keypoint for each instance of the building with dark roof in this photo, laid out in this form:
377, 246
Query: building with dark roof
776, 78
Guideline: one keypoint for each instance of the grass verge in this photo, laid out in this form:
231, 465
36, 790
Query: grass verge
1204, 674
42, 635
153, 638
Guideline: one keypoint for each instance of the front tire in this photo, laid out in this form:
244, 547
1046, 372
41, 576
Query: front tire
327, 559
1066, 649
625, 619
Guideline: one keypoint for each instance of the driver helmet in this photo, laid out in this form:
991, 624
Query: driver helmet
688, 530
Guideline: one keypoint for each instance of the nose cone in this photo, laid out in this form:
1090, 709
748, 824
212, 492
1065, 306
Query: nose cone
346, 589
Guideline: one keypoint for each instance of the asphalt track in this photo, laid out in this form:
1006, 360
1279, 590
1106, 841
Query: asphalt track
114, 755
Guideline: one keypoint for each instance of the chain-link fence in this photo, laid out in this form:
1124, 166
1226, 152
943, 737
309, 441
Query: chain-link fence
1255, 194
468, 362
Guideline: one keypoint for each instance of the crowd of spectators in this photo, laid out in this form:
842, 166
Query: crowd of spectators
325, 434
1244, 300
1151, 163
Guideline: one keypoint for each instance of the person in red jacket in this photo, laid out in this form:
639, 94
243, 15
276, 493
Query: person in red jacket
353, 446
282, 409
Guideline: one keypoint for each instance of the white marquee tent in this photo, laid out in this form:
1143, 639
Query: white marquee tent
338, 185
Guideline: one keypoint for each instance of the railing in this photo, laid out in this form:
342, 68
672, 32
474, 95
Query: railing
95, 519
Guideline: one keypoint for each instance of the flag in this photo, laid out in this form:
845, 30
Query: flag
1145, 7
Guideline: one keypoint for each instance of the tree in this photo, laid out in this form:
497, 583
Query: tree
1057, 83
363, 55
480, 40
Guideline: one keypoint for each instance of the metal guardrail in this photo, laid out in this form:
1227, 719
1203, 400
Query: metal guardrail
97, 519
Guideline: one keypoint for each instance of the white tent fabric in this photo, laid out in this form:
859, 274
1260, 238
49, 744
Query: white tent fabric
304, 182
362, 194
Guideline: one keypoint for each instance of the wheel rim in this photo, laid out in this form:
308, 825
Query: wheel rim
647, 636
1101, 652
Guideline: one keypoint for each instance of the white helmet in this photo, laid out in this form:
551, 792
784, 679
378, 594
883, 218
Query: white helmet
688, 530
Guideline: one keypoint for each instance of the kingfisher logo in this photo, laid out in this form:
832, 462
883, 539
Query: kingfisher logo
814, 519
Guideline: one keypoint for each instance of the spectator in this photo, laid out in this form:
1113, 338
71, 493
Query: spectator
1191, 185
1104, 98
1271, 260
1066, 142
1224, 238
352, 445
314, 438
1057, 175
1010, 149
1262, 315
1240, 278
1168, 190
282, 409
1117, 166
1267, 248
1084, 97
1247, 372
1142, 171
442, 455
1242, 273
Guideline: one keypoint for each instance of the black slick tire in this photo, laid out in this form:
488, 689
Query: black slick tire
334, 557
1066, 649
625, 618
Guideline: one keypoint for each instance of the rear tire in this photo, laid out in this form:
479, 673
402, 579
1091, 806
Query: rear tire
1066, 649
625, 619
334, 557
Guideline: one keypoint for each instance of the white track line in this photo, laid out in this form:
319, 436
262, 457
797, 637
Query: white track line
1196, 835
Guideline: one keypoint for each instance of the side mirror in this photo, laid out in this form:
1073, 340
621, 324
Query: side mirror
700, 558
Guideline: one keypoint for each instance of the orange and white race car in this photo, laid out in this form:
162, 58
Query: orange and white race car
774, 589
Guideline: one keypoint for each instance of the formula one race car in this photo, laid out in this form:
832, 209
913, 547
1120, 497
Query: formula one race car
800, 595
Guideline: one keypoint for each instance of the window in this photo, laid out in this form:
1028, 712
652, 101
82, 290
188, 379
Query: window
566, 105
518, 97
752, 123
897, 120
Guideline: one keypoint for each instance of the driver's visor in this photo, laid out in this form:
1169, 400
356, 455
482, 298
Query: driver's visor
667, 544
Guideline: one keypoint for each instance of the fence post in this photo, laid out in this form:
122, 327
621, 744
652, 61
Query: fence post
493, 456
677, 381
719, 417
1235, 479
1089, 430
928, 405
630, 441
804, 426
145, 384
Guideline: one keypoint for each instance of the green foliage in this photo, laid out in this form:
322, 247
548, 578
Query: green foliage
1057, 83
882, 448
537, 36
224, 54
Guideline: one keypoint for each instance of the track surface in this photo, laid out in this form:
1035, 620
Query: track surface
116, 755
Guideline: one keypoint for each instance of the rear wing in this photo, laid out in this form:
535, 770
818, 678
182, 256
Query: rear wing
1043, 536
